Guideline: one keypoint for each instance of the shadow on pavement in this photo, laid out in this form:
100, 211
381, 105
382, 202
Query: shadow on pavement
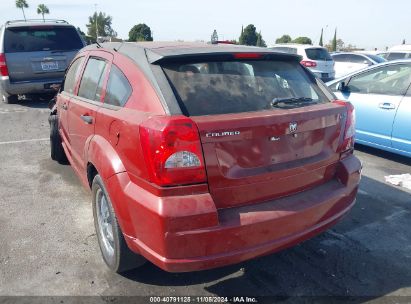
384, 154
365, 255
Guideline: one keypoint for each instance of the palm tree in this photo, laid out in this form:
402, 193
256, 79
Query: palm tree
42, 9
22, 4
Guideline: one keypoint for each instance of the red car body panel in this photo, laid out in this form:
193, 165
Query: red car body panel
254, 203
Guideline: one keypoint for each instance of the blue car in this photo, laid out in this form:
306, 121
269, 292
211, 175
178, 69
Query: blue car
381, 95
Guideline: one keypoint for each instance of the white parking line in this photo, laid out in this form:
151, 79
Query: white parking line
23, 141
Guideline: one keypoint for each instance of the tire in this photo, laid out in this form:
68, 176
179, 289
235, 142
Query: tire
9, 99
116, 254
56, 147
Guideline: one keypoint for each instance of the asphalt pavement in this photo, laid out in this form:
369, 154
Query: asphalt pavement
48, 246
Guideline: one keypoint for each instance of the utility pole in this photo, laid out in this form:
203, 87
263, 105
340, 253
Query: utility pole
95, 6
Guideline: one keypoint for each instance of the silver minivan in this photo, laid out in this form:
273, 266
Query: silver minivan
34, 56
316, 58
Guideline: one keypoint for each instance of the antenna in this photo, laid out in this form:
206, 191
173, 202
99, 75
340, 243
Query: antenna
98, 45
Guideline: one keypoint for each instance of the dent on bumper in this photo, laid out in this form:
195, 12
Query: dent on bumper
187, 233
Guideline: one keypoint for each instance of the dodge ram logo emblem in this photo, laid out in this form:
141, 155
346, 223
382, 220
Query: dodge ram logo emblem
293, 127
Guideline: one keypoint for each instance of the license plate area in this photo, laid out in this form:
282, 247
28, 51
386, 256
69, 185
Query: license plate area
49, 65
324, 75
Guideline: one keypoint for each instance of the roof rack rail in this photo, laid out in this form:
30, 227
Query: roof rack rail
37, 20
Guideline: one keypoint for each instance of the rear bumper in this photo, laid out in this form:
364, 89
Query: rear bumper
27, 87
187, 233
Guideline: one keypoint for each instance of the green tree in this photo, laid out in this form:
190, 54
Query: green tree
42, 9
140, 32
22, 4
260, 40
214, 37
283, 39
302, 40
334, 42
100, 25
321, 38
249, 35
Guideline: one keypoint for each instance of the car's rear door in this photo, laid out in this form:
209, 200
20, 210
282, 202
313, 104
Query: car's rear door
40, 51
84, 106
376, 95
257, 148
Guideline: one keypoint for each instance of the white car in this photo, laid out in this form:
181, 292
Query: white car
346, 63
315, 58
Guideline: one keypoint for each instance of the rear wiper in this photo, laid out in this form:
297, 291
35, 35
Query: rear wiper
291, 101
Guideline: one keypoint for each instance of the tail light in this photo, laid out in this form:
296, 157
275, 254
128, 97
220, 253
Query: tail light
249, 55
172, 151
347, 142
309, 63
3, 66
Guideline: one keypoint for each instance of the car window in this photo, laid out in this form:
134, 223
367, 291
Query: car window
358, 59
118, 88
45, 38
389, 80
396, 56
318, 54
239, 86
93, 79
72, 75
339, 58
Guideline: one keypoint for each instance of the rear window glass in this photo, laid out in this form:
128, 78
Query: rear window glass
318, 54
118, 88
48, 38
241, 86
93, 77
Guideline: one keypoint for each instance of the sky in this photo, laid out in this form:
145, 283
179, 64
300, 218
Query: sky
367, 24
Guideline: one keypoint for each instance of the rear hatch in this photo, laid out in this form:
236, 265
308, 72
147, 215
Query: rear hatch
325, 63
40, 52
267, 128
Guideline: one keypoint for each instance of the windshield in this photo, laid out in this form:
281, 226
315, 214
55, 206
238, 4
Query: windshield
241, 86
376, 58
318, 54
47, 38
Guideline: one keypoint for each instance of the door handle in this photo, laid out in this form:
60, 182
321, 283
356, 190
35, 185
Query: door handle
87, 119
387, 106
64, 106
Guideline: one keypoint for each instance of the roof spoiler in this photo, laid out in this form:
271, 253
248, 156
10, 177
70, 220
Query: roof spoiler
155, 58
37, 20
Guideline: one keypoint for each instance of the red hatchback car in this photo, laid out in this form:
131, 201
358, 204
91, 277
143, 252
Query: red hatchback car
200, 156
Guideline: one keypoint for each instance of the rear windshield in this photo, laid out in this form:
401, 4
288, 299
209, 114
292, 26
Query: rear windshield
48, 38
318, 54
241, 86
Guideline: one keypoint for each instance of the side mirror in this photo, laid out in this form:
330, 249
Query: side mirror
342, 87
368, 63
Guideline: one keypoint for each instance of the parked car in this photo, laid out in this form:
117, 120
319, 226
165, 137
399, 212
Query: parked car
315, 58
34, 56
395, 55
200, 156
346, 62
382, 99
